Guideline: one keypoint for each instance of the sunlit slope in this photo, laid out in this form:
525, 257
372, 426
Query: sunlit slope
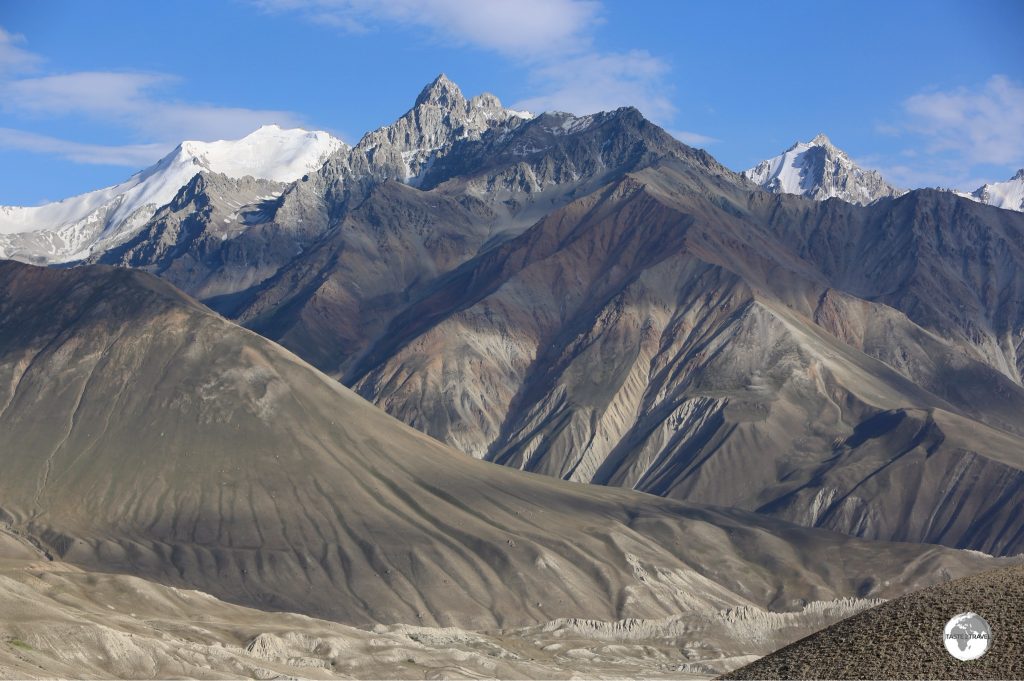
139, 432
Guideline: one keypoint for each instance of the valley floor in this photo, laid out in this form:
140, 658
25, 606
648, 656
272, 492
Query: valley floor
62, 621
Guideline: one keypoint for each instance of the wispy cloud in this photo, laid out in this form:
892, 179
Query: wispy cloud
134, 155
956, 136
694, 139
984, 125
526, 28
136, 101
13, 57
140, 103
88, 92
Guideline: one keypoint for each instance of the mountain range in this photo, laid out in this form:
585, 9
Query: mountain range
143, 433
588, 298
87, 225
783, 386
819, 170
76, 227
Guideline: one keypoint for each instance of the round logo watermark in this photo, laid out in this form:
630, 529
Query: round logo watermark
967, 636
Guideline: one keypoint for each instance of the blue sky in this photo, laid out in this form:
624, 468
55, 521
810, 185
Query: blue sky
931, 93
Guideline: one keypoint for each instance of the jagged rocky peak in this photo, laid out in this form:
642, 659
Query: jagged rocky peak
442, 92
819, 170
485, 101
440, 117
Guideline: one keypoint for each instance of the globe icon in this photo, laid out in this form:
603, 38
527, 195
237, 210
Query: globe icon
967, 636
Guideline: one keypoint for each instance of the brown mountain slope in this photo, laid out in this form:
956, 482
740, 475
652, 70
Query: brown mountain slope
644, 336
902, 639
141, 433
953, 266
588, 298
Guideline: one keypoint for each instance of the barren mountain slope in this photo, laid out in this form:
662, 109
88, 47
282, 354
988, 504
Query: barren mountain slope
953, 266
588, 298
141, 433
653, 336
215, 236
330, 303
333, 302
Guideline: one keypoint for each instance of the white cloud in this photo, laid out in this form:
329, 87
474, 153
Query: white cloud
981, 125
959, 138
132, 155
526, 28
135, 101
138, 102
598, 82
15, 59
84, 92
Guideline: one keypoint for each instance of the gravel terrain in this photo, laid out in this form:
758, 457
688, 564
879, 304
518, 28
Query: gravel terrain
902, 639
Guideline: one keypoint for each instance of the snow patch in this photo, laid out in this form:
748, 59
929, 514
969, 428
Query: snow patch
77, 223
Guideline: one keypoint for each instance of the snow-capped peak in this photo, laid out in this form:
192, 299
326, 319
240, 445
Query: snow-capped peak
67, 230
268, 153
1009, 194
819, 170
821, 140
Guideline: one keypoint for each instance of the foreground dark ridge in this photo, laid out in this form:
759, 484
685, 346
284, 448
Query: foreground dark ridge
902, 639
141, 433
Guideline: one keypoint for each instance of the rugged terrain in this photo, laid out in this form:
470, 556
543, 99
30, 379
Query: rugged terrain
144, 434
62, 621
92, 223
785, 404
657, 335
902, 639
588, 298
